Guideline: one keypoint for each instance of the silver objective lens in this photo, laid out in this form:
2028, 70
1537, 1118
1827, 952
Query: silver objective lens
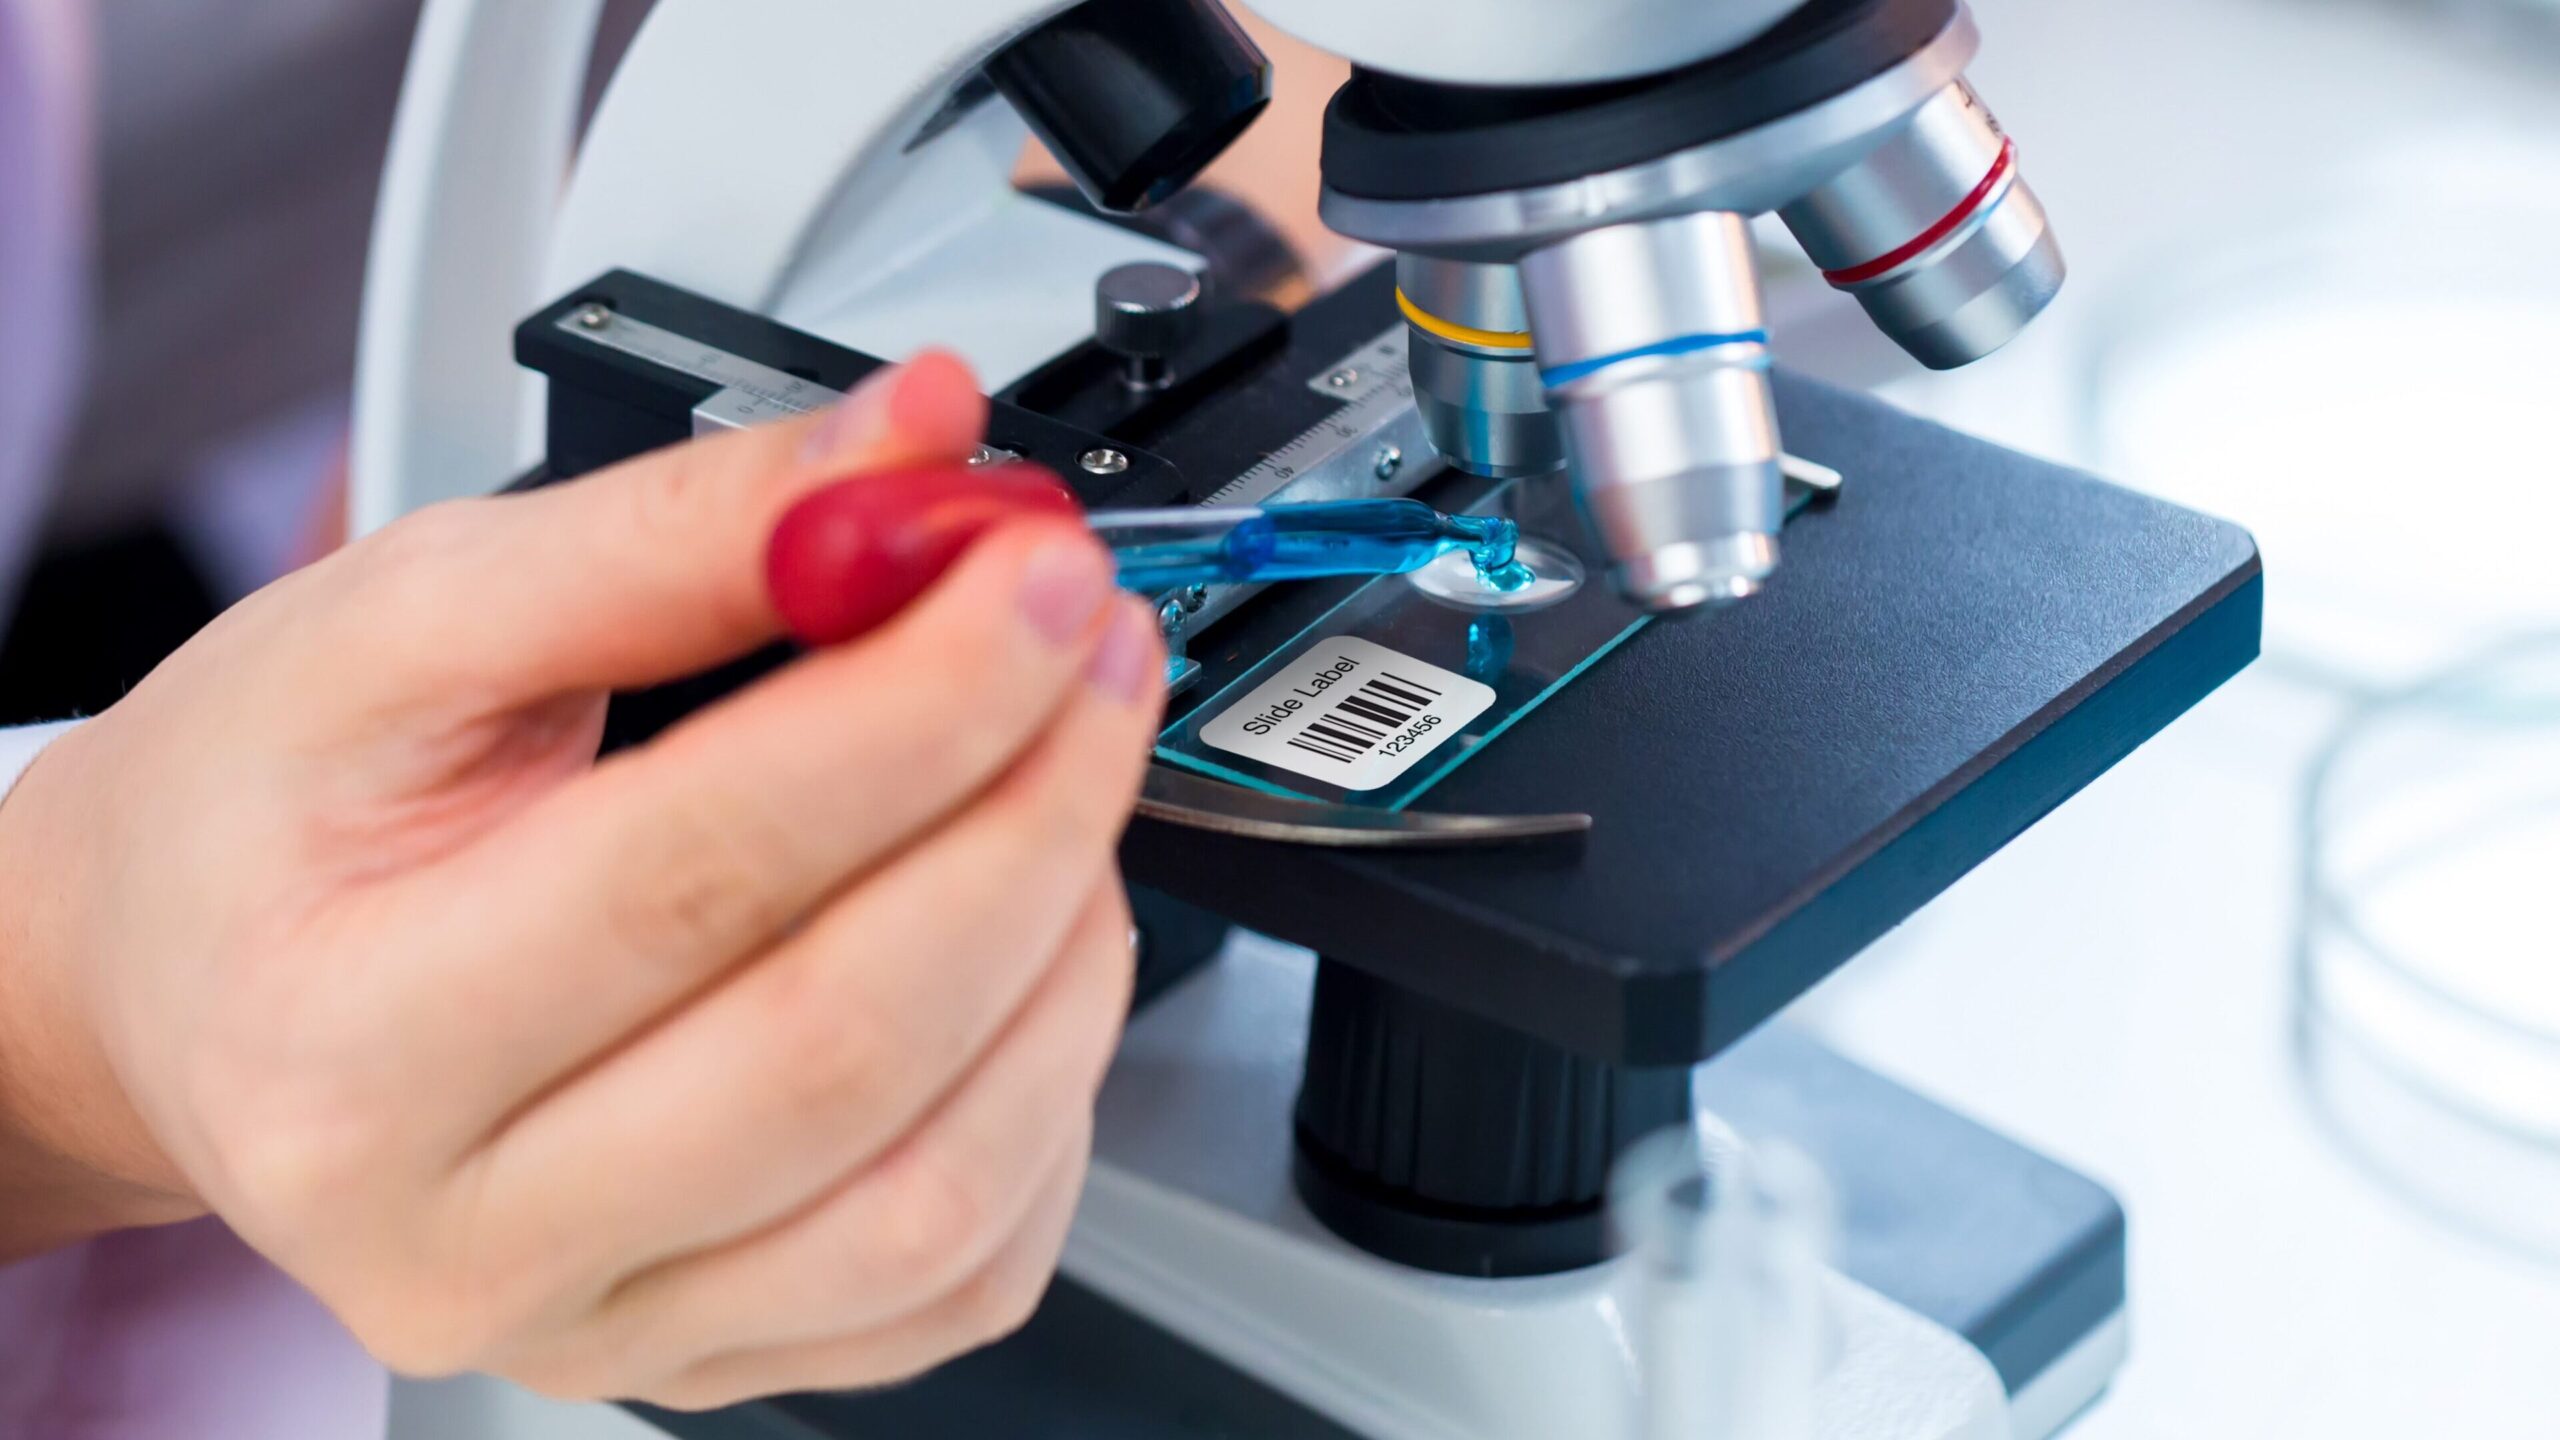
1475, 378
1937, 234
1655, 356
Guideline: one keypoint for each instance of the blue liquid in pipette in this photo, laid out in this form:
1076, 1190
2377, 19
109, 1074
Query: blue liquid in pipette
1174, 549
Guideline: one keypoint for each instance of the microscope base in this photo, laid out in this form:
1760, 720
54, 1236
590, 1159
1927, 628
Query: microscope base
1190, 1219
1982, 1293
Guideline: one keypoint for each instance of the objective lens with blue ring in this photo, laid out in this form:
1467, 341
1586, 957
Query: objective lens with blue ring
1654, 355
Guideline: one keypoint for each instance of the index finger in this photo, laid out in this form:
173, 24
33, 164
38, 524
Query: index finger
654, 569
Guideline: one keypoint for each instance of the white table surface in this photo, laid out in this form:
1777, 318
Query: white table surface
2114, 989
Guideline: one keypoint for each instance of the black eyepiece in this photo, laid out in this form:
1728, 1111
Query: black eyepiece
1135, 97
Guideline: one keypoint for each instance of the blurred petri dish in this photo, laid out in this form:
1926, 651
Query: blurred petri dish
2427, 991
2362, 370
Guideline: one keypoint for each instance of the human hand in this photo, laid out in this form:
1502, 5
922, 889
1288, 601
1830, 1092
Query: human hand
758, 1058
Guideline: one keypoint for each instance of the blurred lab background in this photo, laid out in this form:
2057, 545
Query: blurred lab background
2288, 980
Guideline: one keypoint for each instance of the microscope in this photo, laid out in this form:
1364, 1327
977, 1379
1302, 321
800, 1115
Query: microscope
1403, 1015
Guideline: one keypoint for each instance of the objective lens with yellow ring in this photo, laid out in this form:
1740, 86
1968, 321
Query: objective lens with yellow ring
1457, 334
1475, 373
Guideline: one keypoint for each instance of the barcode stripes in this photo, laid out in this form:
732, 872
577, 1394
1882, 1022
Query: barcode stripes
1369, 714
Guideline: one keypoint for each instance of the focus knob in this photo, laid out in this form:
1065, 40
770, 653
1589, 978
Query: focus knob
1145, 312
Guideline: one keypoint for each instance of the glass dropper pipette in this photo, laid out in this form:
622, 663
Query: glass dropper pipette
1177, 547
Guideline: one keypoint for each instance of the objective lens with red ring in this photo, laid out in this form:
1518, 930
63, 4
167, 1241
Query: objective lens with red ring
1937, 234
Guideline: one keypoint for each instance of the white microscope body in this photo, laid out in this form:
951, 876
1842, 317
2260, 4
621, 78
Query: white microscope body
758, 154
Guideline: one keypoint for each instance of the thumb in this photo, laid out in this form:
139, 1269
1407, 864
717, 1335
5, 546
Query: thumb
654, 569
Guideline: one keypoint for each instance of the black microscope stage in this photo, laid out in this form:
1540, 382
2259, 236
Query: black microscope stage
1960, 642
1952, 647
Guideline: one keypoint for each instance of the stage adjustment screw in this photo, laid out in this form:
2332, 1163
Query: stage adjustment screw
1145, 312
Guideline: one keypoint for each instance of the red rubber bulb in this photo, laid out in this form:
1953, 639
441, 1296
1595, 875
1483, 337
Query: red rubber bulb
851, 555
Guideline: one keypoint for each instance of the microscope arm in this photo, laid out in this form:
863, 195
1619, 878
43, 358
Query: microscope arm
485, 124
722, 159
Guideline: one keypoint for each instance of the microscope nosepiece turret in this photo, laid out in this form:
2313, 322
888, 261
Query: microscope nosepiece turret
1579, 280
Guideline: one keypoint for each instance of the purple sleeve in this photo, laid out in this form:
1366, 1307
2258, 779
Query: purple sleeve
44, 212
182, 1333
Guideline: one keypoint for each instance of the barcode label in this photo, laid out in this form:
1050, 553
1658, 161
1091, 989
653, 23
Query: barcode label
1350, 713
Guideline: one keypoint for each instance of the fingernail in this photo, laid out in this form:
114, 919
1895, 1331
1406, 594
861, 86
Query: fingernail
1125, 665
862, 417
1064, 584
